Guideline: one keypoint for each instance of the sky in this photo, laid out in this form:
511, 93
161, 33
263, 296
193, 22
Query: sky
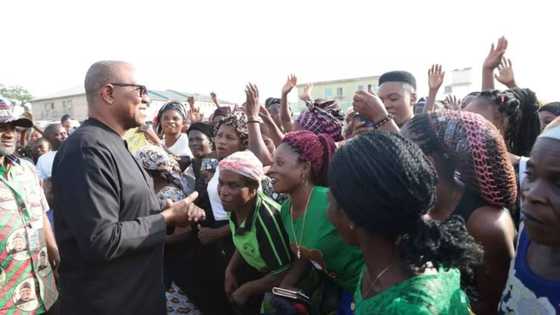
203, 46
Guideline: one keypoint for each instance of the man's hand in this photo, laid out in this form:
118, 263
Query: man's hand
252, 106
496, 54
208, 235
369, 105
505, 73
289, 85
435, 77
183, 212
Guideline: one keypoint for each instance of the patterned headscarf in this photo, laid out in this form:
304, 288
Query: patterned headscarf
173, 105
238, 121
244, 163
313, 148
155, 159
323, 117
474, 146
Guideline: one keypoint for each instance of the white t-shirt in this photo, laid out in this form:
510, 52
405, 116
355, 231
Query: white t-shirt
181, 146
45, 164
217, 208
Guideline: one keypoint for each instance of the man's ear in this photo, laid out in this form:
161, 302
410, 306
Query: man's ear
106, 94
412, 98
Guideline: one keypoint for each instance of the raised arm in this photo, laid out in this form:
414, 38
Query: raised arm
252, 109
285, 115
505, 74
491, 62
370, 106
435, 80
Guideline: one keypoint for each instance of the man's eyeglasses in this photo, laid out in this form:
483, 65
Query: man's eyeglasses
142, 89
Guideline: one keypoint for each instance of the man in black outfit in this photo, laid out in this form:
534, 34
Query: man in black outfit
109, 224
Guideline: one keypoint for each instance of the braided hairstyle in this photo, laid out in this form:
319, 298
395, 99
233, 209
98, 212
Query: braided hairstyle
472, 147
317, 149
385, 184
519, 110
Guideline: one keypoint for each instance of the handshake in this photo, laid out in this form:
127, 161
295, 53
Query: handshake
183, 212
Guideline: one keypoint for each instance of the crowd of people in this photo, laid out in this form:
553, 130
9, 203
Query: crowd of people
400, 205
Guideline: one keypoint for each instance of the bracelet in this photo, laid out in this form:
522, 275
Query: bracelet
382, 122
254, 121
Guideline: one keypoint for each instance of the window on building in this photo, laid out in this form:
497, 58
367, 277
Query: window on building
328, 92
339, 92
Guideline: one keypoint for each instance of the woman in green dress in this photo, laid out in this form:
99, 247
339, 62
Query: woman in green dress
299, 169
381, 187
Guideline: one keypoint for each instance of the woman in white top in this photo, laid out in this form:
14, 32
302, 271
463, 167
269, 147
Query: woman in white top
169, 124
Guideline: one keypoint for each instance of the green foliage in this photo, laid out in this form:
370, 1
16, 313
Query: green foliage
17, 93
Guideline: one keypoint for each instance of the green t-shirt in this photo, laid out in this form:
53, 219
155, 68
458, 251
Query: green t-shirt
429, 294
261, 239
320, 242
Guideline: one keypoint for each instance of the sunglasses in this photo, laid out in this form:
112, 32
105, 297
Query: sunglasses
142, 89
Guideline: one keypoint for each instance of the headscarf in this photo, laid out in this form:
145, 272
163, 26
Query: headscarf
205, 128
244, 163
475, 147
154, 158
323, 117
238, 121
313, 148
173, 105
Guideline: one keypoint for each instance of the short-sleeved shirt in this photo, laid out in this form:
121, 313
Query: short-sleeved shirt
44, 165
320, 242
261, 239
26, 279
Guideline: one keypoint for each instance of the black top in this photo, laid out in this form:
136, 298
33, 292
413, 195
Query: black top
107, 225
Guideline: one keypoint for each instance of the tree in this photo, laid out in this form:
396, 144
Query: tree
17, 93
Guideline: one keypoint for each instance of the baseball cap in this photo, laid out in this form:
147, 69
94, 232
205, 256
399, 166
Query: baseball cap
7, 115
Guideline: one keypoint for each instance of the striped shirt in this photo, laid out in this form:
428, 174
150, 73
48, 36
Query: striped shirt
26, 279
261, 239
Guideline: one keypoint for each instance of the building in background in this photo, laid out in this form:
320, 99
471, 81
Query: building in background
73, 102
460, 83
340, 90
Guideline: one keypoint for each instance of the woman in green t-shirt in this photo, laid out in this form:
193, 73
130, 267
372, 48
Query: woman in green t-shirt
299, 169
382, 185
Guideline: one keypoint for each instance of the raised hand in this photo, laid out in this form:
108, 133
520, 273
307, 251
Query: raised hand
452, 102
435, 77
306, 96
252, 106
289, 85
505, 73
369, 105
190, 100
496, 54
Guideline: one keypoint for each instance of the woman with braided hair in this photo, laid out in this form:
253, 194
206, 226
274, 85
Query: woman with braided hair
514, 113
476, 181
299, 169
381, 187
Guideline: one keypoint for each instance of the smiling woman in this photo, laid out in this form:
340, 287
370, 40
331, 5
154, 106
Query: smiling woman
170, 122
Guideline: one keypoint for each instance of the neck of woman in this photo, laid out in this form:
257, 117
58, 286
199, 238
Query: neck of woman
382, 262
243, 213
299, 197
544, 260
448, 197
170, 139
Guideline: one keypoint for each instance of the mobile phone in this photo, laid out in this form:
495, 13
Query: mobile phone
209, 165
368, 123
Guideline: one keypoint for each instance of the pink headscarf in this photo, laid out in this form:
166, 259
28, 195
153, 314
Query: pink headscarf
244, 163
